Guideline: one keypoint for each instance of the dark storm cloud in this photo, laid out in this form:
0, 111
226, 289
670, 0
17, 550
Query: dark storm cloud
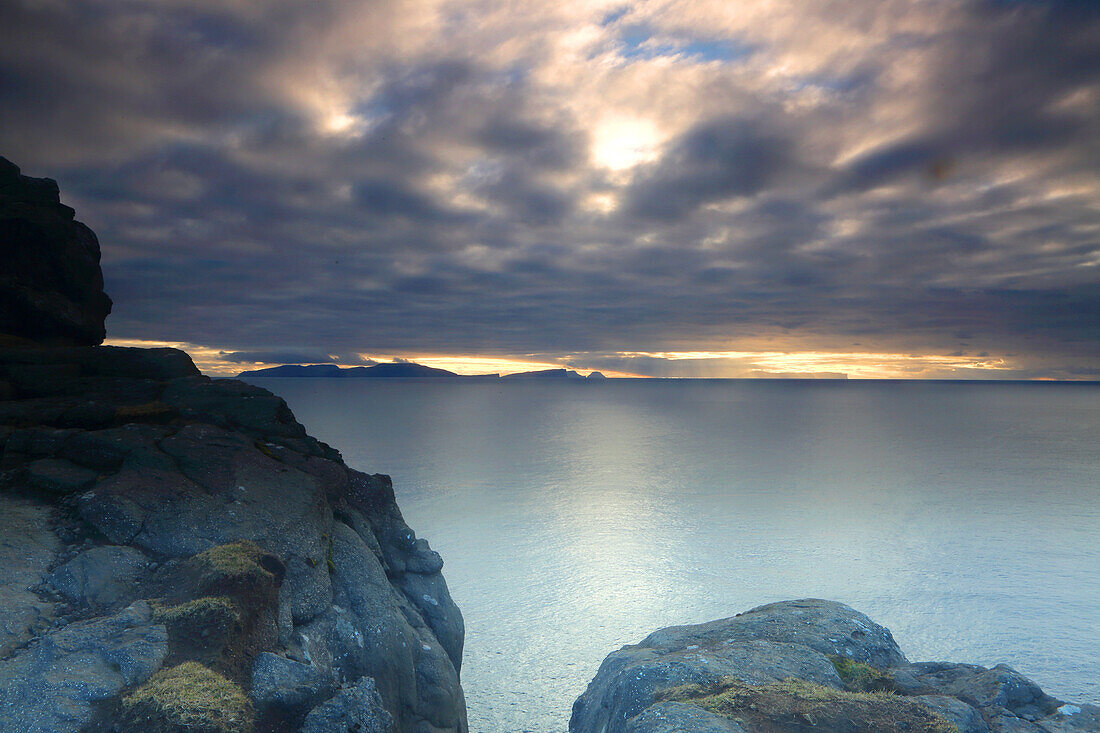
533, 144
1001, 84
321, 180
716, 160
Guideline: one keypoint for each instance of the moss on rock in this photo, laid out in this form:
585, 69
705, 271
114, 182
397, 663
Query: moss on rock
796, 706
221, 607
188, 698
199, 614
860, 677
237, 563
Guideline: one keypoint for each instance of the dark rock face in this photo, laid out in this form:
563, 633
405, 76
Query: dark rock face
51, 287
812, 642
149, 493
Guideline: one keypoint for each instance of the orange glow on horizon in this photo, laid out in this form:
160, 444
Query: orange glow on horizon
696, 364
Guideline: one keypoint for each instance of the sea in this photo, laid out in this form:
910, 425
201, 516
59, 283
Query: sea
578, 516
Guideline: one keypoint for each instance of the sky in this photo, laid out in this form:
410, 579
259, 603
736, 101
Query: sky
695, 188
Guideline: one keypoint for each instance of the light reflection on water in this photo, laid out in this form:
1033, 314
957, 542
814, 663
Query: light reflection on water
578, 517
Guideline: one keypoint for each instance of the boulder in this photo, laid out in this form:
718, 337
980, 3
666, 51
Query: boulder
964, 717
999, 688
807, 665
104, 577
827, 627
51, 285
354, 708
767, 644
283, 690
59, 476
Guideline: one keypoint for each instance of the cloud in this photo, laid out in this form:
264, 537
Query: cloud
429, 177
715, 160
275, 357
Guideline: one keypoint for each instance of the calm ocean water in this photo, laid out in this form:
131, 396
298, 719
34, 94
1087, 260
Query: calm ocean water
578, 517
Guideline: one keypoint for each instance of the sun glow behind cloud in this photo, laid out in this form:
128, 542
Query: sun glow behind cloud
623, 141
855, 365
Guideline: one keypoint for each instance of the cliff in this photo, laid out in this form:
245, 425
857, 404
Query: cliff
808, 665
51, 287
176, 553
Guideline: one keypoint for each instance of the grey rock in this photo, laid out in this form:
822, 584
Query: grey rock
104, 577
766, 644
372, 630
824, 626
429, 593
51, 685
1069, 718
423, 559
27, 547
998, 688
354, 709
220, 488
282, 509
964, 717
58, 476
795, 639
1005, 722
286, 690
628, 680
678, 717
410, 562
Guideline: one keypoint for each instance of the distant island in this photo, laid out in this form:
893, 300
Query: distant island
400, 370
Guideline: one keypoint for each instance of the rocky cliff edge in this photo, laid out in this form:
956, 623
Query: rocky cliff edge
176, 553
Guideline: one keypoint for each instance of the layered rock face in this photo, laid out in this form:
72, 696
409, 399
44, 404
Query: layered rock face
51, 287
808, 665
177, 554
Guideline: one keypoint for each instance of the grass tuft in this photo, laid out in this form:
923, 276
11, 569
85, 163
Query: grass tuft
860, 677
188, 697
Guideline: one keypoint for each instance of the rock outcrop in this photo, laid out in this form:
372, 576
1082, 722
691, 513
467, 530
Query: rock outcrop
808, 665
176, 553
51, 287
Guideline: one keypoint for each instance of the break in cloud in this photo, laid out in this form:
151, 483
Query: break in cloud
685, 188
